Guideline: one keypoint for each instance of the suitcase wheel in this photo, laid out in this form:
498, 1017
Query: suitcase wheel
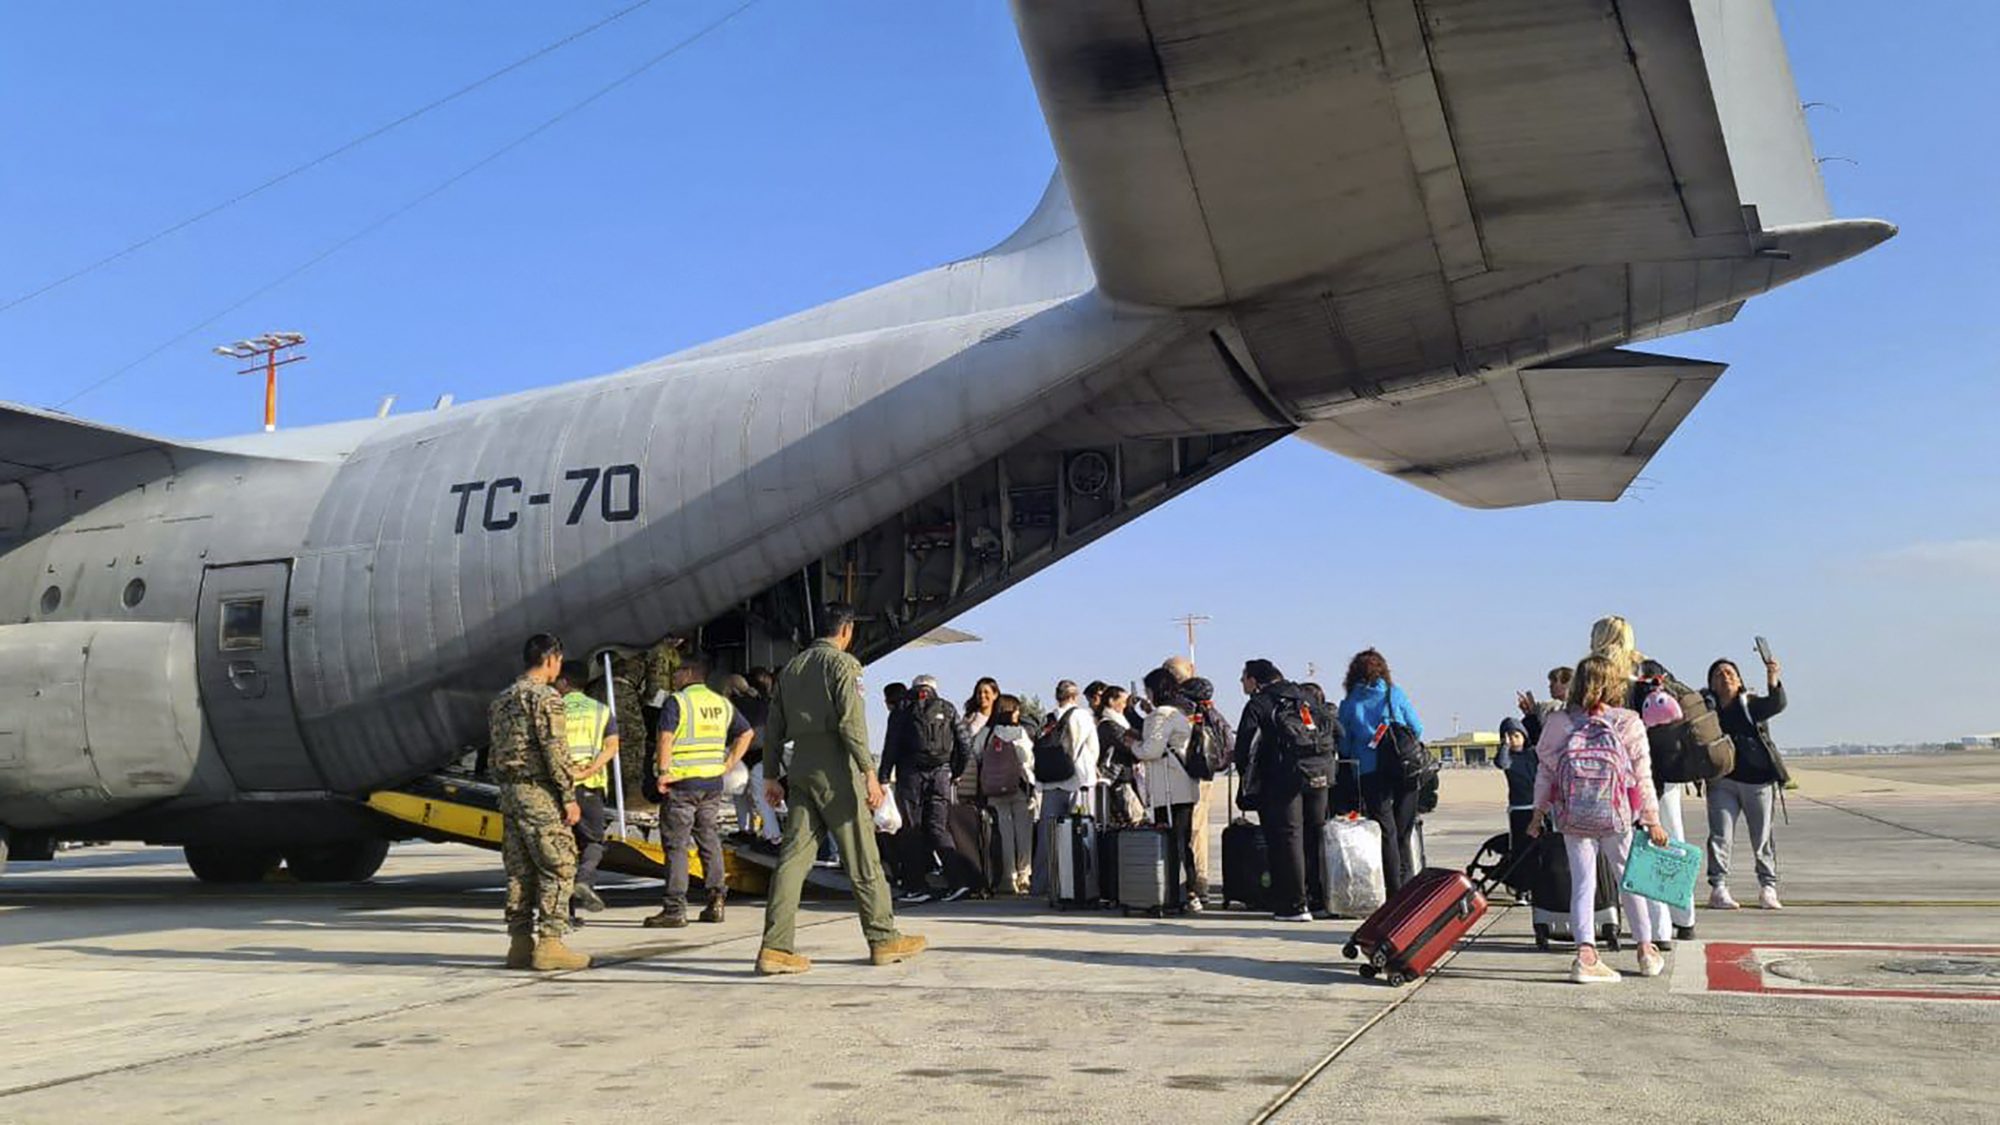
1379, 958
1350, 952
1368, 972
1542, 931
1398, 978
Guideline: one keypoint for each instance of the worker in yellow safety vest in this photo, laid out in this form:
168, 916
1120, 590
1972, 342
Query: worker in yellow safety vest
702, 737
593, 745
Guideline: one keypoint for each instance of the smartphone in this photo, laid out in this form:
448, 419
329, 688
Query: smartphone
1764, 651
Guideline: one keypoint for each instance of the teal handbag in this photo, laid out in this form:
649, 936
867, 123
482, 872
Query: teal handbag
1664, 874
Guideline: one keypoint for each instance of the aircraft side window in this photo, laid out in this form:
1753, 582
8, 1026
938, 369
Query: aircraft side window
242, 624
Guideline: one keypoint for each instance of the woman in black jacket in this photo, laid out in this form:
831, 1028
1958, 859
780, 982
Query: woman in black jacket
1751, 789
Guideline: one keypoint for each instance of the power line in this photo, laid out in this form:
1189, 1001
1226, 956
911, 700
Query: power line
385, 219
322, 158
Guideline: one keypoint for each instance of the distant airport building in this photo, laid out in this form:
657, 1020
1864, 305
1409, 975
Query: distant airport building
1474, 748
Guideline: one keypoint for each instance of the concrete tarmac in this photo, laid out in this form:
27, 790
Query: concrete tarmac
130, 990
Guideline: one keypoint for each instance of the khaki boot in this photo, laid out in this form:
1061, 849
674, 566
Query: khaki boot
552, 956
520, 950
714, 911
899, 948
777, 962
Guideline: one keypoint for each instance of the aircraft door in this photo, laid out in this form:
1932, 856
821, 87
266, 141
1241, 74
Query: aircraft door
246, 688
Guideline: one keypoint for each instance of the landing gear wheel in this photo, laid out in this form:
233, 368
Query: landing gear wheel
355, 861
1350, 951
1542, 933
220, 863
1368, 972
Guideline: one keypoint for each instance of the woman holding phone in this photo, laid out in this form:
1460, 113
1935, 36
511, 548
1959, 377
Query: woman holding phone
1751, 789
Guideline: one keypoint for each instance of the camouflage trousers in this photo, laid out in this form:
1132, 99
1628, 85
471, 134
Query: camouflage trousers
540, 853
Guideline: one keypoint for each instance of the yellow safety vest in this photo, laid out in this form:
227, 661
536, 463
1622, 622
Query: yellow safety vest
701, 738
585, 719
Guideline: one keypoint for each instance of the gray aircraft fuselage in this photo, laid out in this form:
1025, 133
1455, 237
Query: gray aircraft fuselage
237, 641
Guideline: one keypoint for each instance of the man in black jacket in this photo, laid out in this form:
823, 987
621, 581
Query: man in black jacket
1285, 749
925, 743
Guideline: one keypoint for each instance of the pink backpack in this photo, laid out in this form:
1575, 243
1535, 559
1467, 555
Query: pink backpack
1594, 781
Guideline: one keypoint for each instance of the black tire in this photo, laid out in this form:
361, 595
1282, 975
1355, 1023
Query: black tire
1351, 951
1368, 972
1542, 934
1379, 958
222, 864
355, 861
1398, 979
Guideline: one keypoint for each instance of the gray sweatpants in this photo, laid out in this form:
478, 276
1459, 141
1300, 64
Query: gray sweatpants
1728, 800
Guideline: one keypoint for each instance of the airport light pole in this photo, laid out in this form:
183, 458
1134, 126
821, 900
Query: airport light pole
1189, 622
268, 347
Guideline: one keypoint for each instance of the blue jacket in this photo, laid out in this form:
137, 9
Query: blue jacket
1363, 710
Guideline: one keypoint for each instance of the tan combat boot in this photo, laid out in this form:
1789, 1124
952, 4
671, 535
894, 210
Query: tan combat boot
520, 950
777, 962
552, 956
902, 947
714, 911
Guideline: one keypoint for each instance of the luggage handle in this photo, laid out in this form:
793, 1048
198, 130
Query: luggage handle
1486, 886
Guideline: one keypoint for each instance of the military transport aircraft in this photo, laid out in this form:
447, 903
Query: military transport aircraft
1417, 233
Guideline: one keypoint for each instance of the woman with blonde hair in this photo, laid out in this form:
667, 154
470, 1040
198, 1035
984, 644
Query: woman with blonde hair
1596, 777
1611, 638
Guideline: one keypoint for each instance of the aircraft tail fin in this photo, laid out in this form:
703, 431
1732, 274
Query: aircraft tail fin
35, 441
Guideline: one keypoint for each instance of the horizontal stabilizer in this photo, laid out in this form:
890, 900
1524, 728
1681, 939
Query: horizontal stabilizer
1578, 429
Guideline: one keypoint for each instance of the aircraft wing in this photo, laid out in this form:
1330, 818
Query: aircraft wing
1579, 429
38, 441
1217, 150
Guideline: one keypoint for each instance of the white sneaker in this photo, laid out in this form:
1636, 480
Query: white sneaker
1301, 916
1597, 972
1194, 906
1651, 964
1719, 899
1767, 899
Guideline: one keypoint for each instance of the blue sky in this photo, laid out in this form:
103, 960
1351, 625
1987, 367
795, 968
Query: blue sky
1836, 492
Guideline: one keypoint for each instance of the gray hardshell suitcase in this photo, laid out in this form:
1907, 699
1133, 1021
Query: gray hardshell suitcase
1149, 870
1073, 862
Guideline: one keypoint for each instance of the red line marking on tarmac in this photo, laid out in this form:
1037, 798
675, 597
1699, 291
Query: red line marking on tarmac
1732, 967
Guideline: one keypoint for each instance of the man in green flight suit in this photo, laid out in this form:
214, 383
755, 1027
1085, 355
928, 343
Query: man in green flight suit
830, 788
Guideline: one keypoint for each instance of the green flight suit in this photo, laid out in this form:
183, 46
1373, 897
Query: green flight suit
817, 707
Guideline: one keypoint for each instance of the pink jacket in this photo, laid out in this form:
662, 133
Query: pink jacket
1631, 732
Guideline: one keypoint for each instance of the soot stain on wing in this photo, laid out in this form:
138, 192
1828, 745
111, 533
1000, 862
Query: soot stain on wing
1114, 71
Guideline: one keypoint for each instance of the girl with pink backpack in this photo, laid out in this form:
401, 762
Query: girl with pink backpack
1596, 777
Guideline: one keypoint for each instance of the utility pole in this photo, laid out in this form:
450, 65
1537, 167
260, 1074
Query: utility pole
268, 348
1189, 622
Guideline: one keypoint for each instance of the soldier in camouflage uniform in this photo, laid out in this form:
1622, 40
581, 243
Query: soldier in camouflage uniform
642, 681
530, 763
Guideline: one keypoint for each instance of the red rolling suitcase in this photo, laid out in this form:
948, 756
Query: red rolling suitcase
1421, 923
1417, 926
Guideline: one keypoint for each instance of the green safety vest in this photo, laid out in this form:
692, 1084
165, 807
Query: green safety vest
701, 738
585, 719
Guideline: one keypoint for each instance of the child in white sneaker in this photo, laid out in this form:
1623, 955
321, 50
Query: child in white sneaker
1596, 776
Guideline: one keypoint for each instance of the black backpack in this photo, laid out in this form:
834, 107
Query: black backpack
936, 732
1206, 756
1053, 763
1304, 736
